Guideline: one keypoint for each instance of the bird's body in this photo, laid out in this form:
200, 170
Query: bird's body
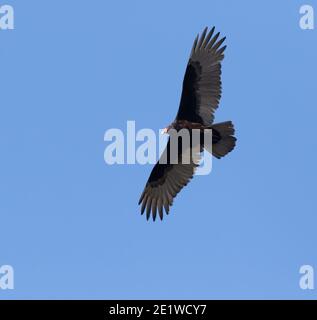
200, 97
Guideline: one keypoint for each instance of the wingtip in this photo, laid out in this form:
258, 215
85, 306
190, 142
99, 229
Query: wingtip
194, 45
202, 38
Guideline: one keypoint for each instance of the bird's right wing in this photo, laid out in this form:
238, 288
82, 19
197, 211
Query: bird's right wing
166, 181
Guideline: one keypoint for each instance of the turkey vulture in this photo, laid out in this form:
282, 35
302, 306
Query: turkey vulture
199, 100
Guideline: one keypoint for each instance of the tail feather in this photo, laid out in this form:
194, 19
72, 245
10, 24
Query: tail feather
226, 141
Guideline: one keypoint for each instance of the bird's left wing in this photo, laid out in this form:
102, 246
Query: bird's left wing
202, 84
166, 181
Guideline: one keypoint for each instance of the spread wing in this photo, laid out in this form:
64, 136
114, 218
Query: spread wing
202, 84
167, 180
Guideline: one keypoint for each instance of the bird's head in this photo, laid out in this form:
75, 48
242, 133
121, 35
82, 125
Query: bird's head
167, 129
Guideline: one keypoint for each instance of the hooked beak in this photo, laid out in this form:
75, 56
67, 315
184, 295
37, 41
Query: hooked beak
164, 131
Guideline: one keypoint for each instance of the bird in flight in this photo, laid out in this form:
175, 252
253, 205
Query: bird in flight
200, 98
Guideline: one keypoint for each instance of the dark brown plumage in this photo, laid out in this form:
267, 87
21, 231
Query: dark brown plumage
199, 100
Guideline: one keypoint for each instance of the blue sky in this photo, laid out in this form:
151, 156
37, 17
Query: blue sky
70, 224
